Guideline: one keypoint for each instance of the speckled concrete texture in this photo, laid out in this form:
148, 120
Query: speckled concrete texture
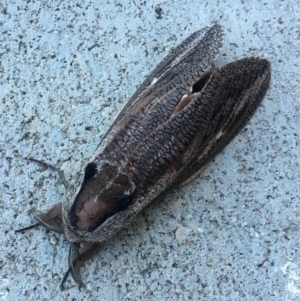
66, 67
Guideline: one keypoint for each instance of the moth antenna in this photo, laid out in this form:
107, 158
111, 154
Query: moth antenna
59, 171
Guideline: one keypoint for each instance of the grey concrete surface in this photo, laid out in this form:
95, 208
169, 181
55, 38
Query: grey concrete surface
66, 67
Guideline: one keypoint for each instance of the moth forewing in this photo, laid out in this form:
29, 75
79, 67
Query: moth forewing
236, 90
173, 77
183, 114
205, 43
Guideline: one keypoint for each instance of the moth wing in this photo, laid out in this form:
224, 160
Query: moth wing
237, 88
202, 46
177, 149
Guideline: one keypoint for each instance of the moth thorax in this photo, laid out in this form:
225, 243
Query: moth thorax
109, 191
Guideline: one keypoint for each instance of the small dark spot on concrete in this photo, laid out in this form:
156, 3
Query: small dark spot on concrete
93, 46
158, 11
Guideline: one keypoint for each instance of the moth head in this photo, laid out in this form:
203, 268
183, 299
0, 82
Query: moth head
105, 191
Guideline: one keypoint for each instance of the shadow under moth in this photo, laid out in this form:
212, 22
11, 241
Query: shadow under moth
183, 114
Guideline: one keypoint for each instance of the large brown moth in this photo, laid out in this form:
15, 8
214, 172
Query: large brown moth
183, 114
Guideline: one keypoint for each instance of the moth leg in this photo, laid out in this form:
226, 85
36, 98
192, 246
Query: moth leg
59, 171
52, 220
77, 256
28, 227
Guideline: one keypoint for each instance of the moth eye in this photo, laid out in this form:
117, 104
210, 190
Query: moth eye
123, 202
90, 171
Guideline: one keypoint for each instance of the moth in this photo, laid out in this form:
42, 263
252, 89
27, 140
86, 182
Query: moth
183, 114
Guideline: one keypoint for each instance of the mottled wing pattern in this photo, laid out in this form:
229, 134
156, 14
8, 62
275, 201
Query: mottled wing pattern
201, 41
180, 147
162, 90
239, 88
